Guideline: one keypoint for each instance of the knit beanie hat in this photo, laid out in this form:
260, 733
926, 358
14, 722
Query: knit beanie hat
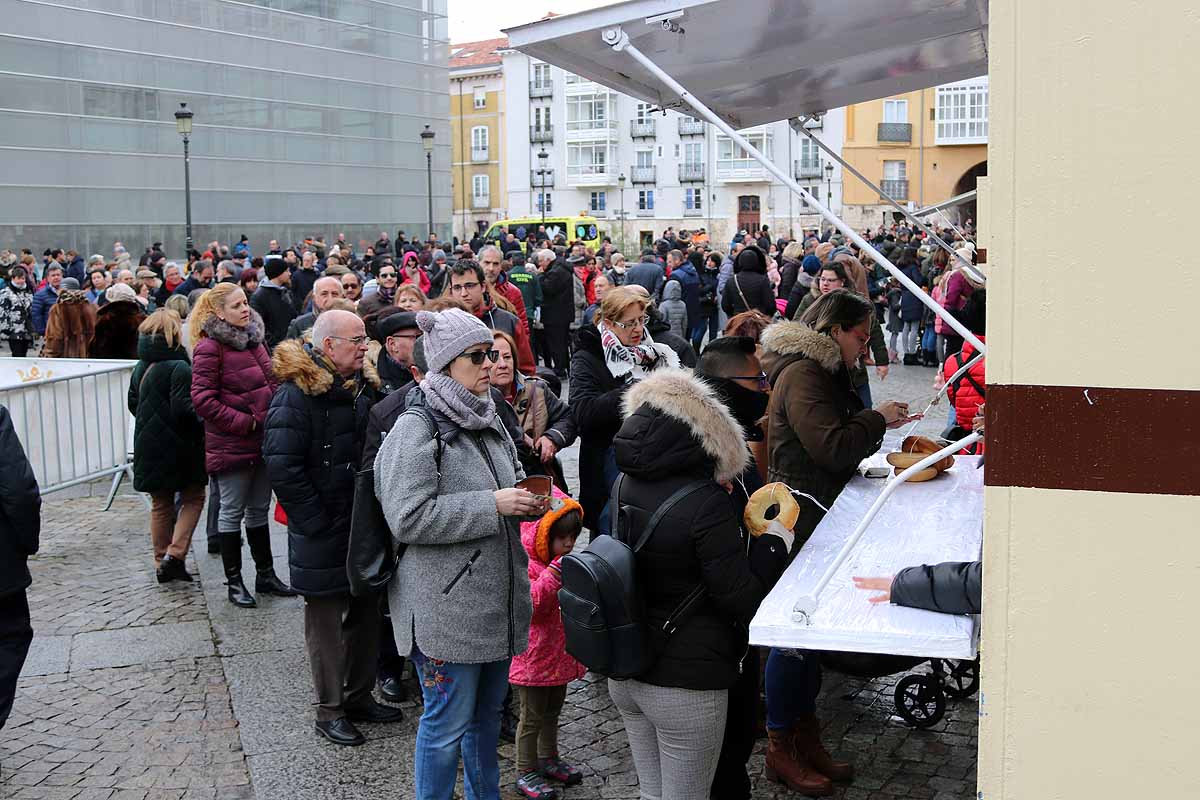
120, 291
447, 334
564, 505
275, 267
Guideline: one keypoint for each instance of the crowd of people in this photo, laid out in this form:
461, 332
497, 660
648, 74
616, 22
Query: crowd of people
456, 372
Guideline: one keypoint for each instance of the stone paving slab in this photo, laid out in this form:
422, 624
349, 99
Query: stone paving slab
380, 769
97, 649
48, 655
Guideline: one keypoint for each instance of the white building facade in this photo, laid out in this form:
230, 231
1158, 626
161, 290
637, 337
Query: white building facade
641, 170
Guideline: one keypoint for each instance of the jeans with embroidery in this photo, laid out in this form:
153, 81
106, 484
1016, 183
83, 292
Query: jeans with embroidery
462, 715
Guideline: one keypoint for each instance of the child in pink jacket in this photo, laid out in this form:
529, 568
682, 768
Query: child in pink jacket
542, 672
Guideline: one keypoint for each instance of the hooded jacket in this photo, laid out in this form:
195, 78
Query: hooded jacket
558, 296
232, 384
817, 427
277, 310
71, 326
168, 436
674, 311
749, 289
116, 333
677, 431
312, 445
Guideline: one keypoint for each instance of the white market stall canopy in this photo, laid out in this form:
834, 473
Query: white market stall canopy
759, 61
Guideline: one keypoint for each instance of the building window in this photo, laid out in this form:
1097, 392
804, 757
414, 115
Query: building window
962, 112
645, 200
545, 203
479, 137
599, 201
644, 158
541, 75
895, 170
895, 111
480, 97
693, 154
589, 111
810, 154
480, 185
643, 112
588, 158
541, 118
692, 199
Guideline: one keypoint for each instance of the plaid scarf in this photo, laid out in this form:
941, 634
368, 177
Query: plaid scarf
637, 360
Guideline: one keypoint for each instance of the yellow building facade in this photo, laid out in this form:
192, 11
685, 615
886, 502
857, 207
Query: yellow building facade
922, 148
477, 133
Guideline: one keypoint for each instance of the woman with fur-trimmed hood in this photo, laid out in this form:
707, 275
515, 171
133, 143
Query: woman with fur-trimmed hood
677, 432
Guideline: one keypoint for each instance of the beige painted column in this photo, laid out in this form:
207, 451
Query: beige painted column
1092, 546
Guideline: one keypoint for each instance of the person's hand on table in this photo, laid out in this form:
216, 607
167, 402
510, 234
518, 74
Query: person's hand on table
895, 413
875, 585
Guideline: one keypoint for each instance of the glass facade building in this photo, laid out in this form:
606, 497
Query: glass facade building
307, 121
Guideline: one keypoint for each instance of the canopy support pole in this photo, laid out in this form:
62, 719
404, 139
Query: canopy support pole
967, 265
957, 200
618, 40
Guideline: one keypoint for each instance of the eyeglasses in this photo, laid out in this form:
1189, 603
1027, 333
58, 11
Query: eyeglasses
464, 287
387, 275
358, 341
760, 378
350, 285
478, 356
641, 322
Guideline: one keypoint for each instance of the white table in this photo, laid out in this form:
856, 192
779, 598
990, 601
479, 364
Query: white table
922, 523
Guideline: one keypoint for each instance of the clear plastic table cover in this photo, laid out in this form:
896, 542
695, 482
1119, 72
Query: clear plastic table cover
921, 523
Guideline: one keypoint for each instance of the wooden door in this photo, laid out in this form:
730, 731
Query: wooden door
748, 218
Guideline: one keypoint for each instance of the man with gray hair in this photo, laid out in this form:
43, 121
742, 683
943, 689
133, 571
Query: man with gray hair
492, 262
324, 292
312, 446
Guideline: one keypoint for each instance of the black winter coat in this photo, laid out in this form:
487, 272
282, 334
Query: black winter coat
749, 289
277, 310
116, 333
953, 587
558, 296
312, 446
20, 510
168, 436
595, 400
679, 432
302, 284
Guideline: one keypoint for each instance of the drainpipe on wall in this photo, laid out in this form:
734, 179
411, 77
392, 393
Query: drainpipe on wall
921, 147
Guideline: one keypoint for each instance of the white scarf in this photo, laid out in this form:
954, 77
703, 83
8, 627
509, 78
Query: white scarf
638, 360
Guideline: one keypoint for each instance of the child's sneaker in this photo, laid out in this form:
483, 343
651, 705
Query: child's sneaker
559, 770
532, 785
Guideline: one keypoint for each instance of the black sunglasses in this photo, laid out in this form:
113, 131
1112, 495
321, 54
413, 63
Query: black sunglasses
478, 356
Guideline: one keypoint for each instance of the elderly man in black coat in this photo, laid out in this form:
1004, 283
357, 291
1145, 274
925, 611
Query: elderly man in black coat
313, 442
20, 525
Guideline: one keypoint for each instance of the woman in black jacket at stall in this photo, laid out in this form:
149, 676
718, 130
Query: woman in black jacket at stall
749, 289
679, 434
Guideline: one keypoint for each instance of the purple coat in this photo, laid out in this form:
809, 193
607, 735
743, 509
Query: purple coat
232, 384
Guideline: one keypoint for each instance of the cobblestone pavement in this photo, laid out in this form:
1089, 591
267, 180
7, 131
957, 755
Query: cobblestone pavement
134, 690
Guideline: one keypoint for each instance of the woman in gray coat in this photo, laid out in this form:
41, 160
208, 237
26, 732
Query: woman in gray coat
460, 600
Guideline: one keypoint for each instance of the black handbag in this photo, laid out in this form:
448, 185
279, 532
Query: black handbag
372, 556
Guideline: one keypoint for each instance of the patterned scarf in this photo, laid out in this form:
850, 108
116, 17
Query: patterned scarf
638, 360
447, 396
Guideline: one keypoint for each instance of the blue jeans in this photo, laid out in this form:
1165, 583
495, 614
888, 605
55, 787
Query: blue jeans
792, 681
864, 394
611, 471
699, 325
462, 714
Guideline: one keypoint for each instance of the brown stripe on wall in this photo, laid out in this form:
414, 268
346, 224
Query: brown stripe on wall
1145, 441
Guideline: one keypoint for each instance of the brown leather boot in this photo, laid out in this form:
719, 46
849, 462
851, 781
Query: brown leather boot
807, 736
785, 766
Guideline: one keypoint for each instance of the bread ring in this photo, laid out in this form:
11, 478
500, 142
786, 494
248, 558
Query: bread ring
770, 496
927, 474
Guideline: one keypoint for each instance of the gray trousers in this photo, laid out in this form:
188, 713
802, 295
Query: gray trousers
675, 736
244, 493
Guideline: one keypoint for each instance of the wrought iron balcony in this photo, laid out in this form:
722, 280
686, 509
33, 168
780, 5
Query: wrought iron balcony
479, 154
895, 132
537, 90
895, 189
691, 173
808, 168
544, 180
689, 126
642, 130
541, 133
480, 201
641, 174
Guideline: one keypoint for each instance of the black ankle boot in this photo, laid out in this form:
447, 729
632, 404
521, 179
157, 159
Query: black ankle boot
910, 360
265, 581
231, 559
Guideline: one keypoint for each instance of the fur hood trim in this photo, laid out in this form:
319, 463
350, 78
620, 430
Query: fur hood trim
684, 397
292, 362
370, 368
69, 296
231, 336
796, 338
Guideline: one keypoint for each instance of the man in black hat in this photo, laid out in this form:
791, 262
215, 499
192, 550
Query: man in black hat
397, 332
273, 301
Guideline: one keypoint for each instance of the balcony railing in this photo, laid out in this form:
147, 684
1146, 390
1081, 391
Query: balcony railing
642, 175
541, 133
642, 130
545, 181
537, 90
479, 154
740, 169
895, 132
691, 173
808, 168
689, 126
481, 201
591, 175
591, 129
895, 189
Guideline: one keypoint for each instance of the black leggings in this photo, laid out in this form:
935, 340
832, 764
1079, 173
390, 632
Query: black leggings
19, 347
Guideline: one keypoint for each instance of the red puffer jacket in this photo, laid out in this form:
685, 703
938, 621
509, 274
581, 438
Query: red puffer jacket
964, 393
232, 384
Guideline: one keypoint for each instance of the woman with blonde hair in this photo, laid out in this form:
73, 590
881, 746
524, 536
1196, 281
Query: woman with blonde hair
232, 384
168, 441
410, 297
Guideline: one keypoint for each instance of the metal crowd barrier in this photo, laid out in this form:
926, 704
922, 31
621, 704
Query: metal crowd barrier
75, 427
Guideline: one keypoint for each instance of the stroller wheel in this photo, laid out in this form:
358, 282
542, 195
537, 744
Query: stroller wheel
961, 679
920, 701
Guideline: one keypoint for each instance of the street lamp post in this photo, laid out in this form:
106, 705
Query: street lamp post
427, 143
621, 191
183, 124
828, 185
543, 159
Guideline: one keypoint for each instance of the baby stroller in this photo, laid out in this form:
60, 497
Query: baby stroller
920, 698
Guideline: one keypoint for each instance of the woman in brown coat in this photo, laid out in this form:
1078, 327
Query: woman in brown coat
117, 324
71, 324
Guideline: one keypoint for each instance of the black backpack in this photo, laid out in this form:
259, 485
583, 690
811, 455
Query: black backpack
602, 610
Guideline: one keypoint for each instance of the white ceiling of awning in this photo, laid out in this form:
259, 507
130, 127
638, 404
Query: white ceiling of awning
758, 61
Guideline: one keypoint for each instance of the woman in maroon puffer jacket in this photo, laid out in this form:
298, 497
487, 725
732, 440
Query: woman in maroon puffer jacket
232, 384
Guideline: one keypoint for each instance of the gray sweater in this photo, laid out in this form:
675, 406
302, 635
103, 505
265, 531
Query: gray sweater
462, 587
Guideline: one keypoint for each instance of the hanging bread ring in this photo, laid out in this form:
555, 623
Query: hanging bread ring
773, 495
